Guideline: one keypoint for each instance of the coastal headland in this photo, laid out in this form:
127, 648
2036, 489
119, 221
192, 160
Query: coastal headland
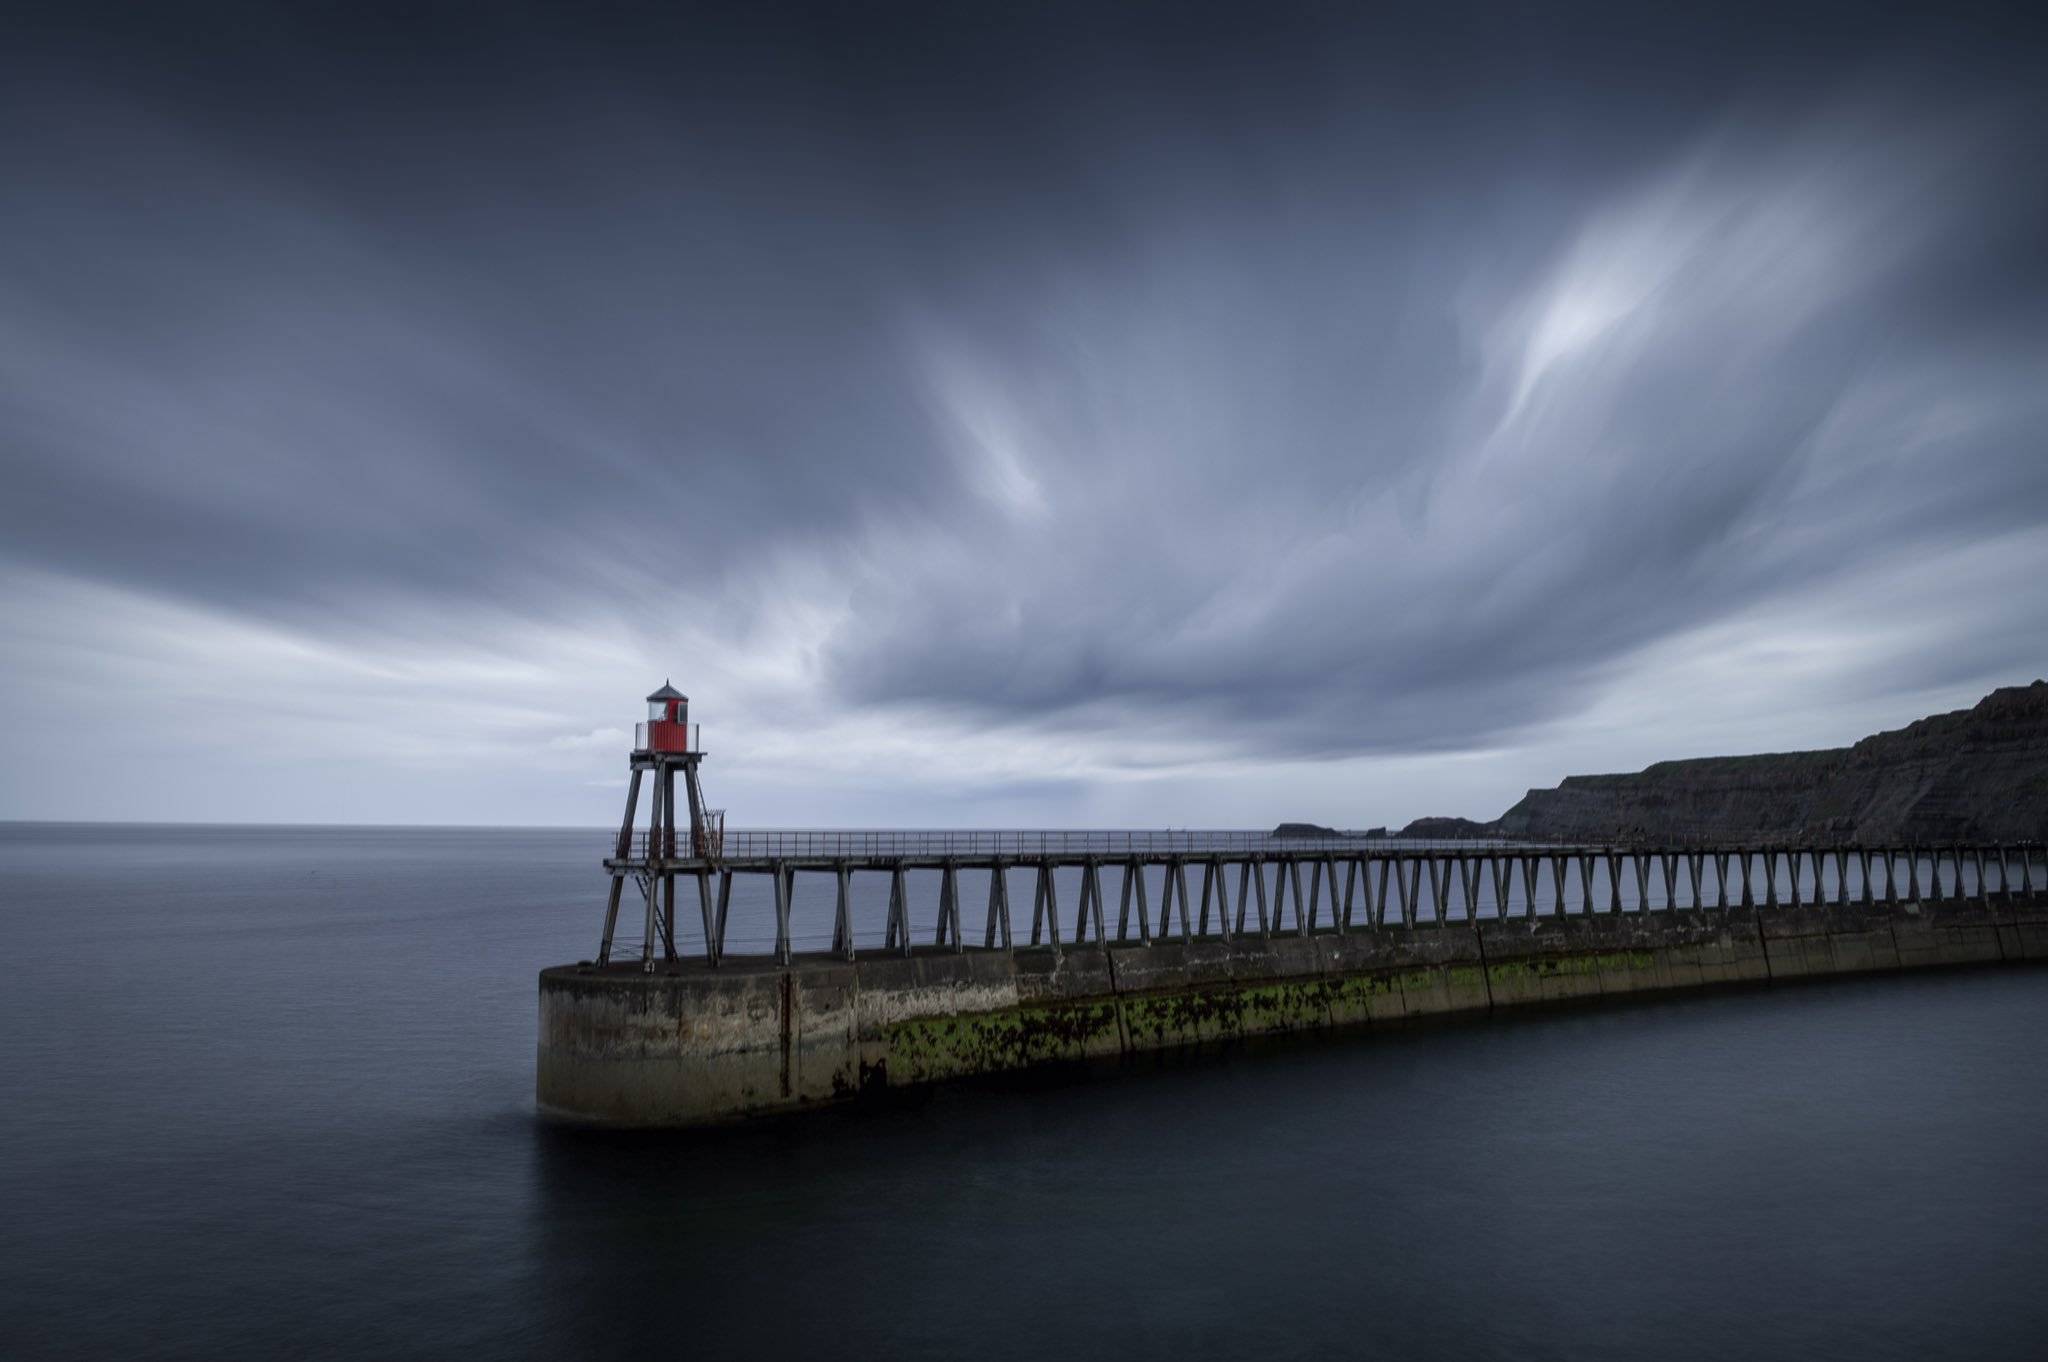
1977, 774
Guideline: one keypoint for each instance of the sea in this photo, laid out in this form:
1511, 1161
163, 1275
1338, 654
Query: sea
268, 1093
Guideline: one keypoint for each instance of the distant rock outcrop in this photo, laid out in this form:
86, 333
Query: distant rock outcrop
1445, 830
1977, 774
1304, 830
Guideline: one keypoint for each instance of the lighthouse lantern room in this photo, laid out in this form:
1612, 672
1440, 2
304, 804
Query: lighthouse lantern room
668, 722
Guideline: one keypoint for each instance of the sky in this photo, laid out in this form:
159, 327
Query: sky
1053, 415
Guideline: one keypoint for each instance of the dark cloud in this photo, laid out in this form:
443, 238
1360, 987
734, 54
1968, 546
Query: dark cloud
1283, 379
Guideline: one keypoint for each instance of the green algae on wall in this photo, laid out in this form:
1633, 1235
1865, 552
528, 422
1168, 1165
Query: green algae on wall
927, 1049
1553, 966
1155, 1021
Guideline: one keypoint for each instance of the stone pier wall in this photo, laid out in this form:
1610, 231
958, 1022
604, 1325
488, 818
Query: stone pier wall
705, 1046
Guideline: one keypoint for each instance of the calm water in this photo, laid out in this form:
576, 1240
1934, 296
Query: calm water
269, 1092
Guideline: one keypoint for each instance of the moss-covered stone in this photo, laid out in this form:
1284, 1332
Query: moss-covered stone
928, 1049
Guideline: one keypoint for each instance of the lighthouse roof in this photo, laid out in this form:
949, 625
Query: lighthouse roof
667, 692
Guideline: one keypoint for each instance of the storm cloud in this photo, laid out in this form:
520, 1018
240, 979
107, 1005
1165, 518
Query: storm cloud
1143, 414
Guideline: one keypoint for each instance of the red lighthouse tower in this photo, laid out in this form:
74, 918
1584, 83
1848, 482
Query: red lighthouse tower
663, 746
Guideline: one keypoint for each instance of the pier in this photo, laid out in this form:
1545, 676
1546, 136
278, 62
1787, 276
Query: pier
1220, 885
999, 951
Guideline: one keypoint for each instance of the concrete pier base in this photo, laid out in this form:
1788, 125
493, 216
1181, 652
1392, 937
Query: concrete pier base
704, 1046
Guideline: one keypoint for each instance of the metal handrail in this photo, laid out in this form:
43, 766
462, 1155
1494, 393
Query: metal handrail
692, 737
855, 843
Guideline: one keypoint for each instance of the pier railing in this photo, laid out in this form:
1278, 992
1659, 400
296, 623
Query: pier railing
858, 844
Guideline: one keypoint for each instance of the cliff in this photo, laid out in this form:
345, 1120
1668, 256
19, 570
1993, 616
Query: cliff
1976, 774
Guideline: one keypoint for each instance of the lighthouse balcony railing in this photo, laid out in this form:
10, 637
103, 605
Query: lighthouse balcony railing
663, 736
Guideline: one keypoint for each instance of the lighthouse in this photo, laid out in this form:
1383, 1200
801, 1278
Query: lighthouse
665, 745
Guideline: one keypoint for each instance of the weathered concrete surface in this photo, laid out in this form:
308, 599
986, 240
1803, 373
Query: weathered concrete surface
706, 1046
